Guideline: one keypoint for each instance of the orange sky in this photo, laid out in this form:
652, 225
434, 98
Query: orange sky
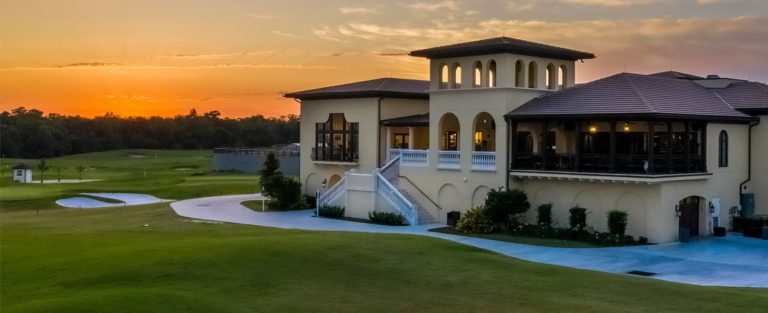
90, 57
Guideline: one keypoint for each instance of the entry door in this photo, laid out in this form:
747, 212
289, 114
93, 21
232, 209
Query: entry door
689, 215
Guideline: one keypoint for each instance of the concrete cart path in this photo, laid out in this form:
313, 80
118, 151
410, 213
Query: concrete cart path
726, 261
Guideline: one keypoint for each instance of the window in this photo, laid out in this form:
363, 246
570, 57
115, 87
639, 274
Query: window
551, 76
532, 78
723, 149
401, 141
443, 77
519, 74
478, 75
492, 74
485, 132
449, 132
450, 140
456, 83
336, 140
524, 143
563, 77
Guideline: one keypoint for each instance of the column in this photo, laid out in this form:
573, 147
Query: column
649, 143
389, 142
687, 147
410, 137
512, 134
612, 148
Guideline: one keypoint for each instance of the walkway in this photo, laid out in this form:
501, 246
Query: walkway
726, 261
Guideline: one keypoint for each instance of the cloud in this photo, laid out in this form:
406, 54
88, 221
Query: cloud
161, 67
707, 2
326, 33
435, 6
356, 10
610, 3
218, 55
519, 6
285, 34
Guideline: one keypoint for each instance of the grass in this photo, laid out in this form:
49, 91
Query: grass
106, 260
520, 239
256, 205
123, 171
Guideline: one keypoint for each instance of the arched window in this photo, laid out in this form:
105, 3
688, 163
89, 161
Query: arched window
449, 132
551, 77
492, 74
484, 138
519, 74
723, 149
456, 83
532, 77
563, 81
478, 75
443, 76
336, 140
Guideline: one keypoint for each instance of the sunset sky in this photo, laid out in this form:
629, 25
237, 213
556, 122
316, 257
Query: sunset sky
163, 57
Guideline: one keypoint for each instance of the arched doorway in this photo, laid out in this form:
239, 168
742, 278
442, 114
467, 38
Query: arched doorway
484, 138
449, 132
690, 215
333, 180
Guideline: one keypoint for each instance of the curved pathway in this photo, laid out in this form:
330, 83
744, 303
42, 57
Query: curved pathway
725, 261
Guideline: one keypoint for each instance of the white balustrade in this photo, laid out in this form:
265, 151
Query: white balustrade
414, 158
393, 153
330, 196
388, 191
484, 161
449, 160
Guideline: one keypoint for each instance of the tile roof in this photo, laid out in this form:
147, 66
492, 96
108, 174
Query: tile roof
631, 95
676, 74
411, 120
502, 45
382, 87
744, 95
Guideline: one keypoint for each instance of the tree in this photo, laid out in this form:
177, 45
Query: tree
42, 166
80, 168
269, 173
58, 173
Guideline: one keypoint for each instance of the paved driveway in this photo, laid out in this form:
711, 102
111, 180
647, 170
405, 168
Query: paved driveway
724, 261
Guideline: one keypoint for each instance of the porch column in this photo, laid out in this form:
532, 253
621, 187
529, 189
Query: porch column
512, 126
410, 137
577, 148
389, 142
649, 143
612, 148
669, 147
687, 147
545, 145
704, 146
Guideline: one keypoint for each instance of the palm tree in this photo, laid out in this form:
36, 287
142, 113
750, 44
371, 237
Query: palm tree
42, 166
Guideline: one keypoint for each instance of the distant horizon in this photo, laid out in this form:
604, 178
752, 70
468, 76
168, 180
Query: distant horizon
149, 58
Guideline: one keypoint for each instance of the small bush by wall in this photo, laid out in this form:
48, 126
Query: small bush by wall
617, 222
544, 215
386, 218
474, 221
331, 211
578, 218
502, 205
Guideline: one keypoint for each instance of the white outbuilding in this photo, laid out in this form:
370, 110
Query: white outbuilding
22, 173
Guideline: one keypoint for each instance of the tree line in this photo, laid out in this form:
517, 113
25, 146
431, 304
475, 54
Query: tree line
29, 133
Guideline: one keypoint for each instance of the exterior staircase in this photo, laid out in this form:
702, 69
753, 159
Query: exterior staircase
424, 216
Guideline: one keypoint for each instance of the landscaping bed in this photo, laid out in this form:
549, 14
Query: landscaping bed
545, 242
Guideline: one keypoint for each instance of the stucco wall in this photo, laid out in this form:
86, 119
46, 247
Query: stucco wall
759, 181
364, 111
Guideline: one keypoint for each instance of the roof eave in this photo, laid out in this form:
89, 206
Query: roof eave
358, 94
632, 116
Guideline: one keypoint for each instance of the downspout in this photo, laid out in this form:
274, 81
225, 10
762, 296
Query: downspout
378, 133
749, 158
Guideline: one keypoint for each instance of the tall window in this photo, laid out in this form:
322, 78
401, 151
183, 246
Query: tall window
532, 77
723, 149
336, 140
443, 76
492, 74
456, 83
478, 75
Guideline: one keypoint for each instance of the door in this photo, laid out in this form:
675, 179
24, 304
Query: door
689, 215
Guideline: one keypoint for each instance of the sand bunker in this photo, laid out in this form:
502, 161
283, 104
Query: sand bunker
125, 199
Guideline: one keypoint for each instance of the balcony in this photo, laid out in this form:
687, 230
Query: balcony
411, 158
601, 163
336, 155
484, 161
448, 160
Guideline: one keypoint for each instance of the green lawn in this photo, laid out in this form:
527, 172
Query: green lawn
107, 260
170, 174
520, 239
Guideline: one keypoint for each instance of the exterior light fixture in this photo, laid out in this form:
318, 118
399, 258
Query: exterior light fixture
593, 129
626, 127
677, 211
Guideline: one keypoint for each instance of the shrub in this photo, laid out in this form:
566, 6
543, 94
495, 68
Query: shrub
475, 221
642, 240
617, 222
331, 211
270, 175
286, 194
310, 201
386, 218
578, 218
501, 205
544, 217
